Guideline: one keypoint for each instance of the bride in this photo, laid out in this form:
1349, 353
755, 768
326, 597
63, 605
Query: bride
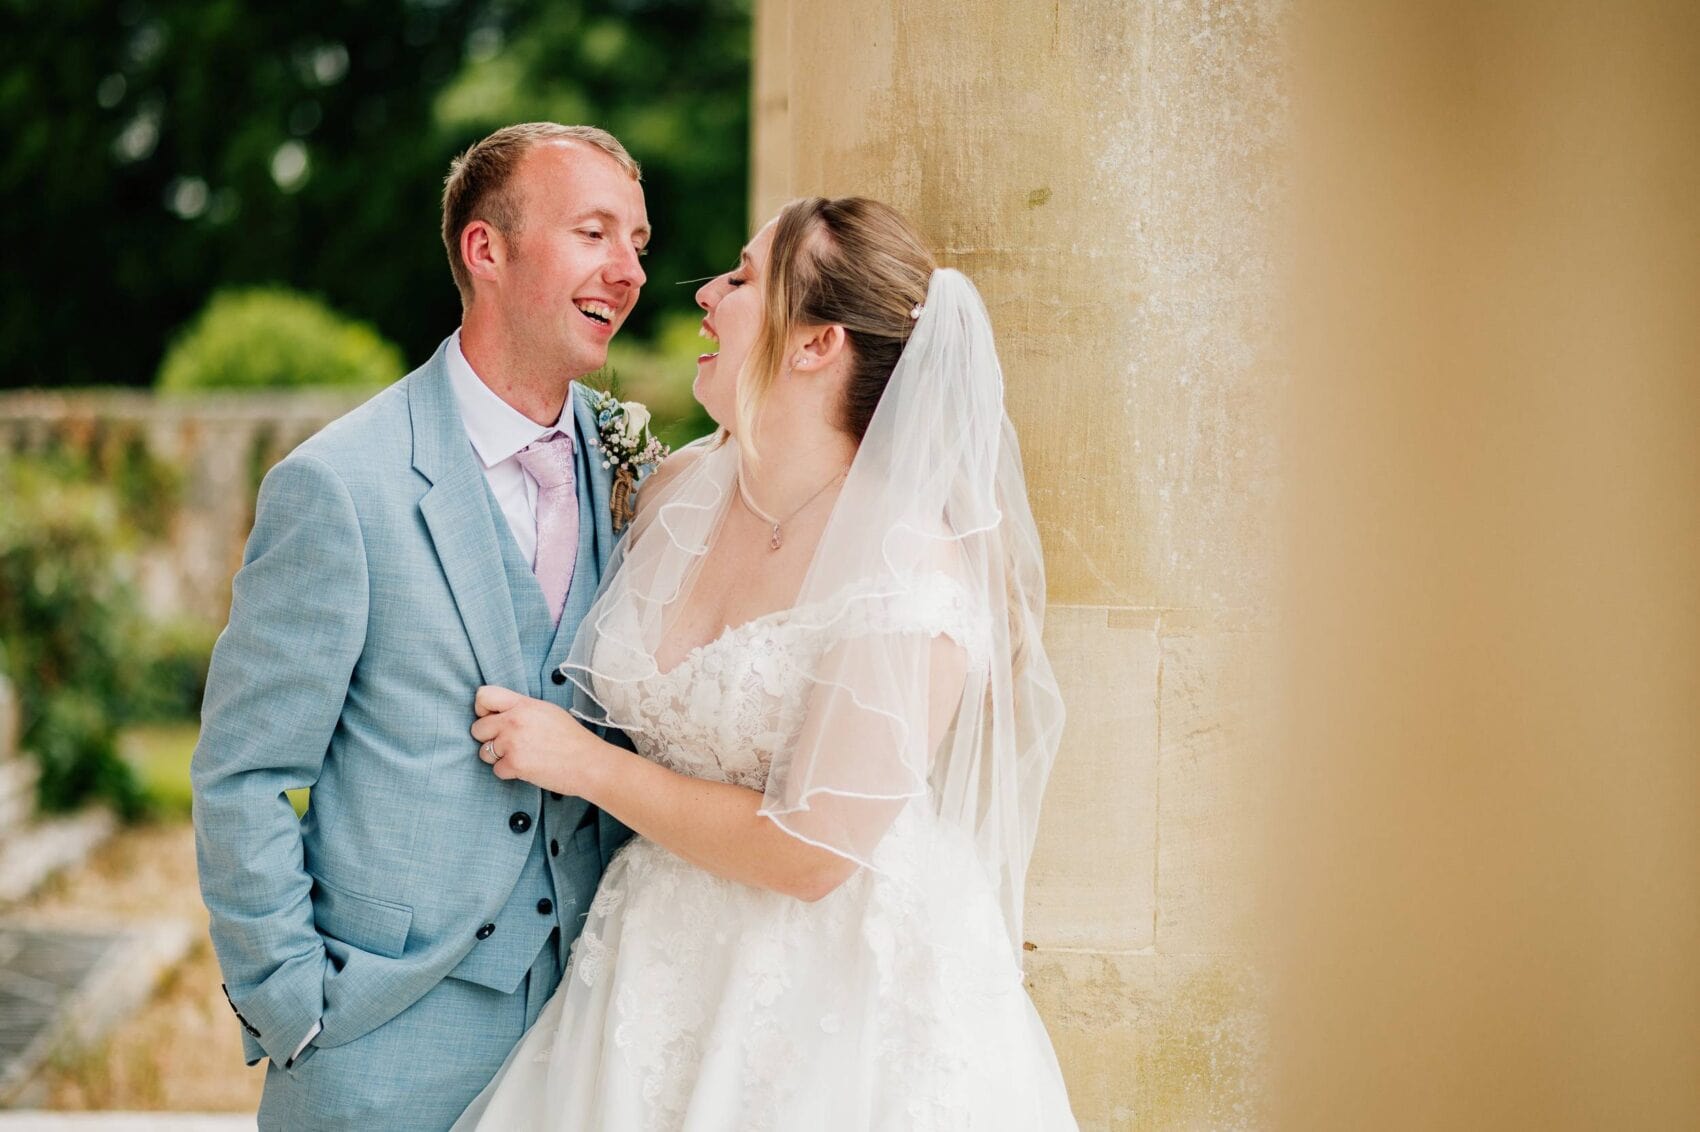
822, 633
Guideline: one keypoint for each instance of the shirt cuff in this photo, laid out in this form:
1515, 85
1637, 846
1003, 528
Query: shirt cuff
318, 1027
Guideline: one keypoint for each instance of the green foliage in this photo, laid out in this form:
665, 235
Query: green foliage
159, 754
175, 656
66, 617
82, 658
148, 489
76, 744
272, 338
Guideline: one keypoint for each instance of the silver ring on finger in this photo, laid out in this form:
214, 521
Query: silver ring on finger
490, 750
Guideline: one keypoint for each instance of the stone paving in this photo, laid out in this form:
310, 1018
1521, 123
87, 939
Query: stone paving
63, 986
41, 973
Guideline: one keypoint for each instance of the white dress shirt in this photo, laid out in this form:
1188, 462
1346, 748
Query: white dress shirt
498, 431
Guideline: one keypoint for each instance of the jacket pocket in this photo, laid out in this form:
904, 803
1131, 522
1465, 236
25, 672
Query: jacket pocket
378, 926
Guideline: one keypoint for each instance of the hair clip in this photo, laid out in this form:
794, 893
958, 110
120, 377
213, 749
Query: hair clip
916, 312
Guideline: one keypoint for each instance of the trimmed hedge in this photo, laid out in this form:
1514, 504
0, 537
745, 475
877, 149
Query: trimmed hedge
275, 338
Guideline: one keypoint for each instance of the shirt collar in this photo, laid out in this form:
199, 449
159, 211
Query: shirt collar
497, 429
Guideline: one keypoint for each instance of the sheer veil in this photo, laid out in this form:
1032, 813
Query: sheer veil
929, 567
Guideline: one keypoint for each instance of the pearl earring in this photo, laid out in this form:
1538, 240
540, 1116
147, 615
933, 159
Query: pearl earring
800, 363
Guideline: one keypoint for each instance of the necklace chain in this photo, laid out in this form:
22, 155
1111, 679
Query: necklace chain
777, 540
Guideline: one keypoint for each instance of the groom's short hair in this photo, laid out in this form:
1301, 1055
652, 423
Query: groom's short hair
477, 187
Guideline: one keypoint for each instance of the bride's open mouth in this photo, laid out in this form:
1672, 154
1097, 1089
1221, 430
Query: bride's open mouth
707, 331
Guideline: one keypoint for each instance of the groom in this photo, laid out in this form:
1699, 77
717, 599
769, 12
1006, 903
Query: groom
389, 949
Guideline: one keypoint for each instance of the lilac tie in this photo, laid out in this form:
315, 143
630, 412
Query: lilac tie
550, 462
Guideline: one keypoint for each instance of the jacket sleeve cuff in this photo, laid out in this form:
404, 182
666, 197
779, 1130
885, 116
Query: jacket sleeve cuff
276, 1014
318, 1028
252, 1052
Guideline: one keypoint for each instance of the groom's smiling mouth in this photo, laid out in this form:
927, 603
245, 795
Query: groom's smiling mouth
600, 313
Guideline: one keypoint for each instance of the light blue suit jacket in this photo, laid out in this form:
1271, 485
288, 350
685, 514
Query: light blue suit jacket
371, 603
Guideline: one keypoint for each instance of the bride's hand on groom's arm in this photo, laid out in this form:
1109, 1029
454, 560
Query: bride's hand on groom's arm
528, 739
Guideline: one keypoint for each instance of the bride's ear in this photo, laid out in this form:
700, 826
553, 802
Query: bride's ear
817, 347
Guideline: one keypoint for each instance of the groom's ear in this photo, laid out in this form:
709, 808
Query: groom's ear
482, 249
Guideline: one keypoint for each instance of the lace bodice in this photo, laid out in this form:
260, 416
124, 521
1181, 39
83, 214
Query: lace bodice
728, 706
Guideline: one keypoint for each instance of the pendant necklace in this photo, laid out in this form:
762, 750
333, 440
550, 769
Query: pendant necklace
777, 540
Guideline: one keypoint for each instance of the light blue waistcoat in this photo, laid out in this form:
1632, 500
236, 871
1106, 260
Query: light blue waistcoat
567, 879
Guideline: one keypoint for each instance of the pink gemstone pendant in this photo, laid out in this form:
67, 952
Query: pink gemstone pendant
775, 541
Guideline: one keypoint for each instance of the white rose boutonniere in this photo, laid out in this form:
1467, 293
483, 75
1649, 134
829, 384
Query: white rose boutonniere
628, 448
636, 421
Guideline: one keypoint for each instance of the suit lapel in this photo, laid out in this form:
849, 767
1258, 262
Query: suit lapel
457, 513
601, 483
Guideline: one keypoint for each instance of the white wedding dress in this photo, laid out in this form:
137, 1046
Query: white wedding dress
698, 1004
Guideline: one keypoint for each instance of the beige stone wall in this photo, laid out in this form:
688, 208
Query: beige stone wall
1103, 172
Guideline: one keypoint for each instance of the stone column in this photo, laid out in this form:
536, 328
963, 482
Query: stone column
1489, 868
1101, 171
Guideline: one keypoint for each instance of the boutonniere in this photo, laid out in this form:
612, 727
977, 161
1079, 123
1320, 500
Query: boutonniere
626, 446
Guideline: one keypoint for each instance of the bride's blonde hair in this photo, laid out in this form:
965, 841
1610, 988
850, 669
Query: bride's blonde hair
856, 263
851, 262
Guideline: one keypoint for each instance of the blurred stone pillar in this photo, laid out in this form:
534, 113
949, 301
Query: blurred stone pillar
1101, 171
1489, 874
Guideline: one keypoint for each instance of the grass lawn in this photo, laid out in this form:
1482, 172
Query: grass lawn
160, 753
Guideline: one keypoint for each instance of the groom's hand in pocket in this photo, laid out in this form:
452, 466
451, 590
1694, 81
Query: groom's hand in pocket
538, 742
